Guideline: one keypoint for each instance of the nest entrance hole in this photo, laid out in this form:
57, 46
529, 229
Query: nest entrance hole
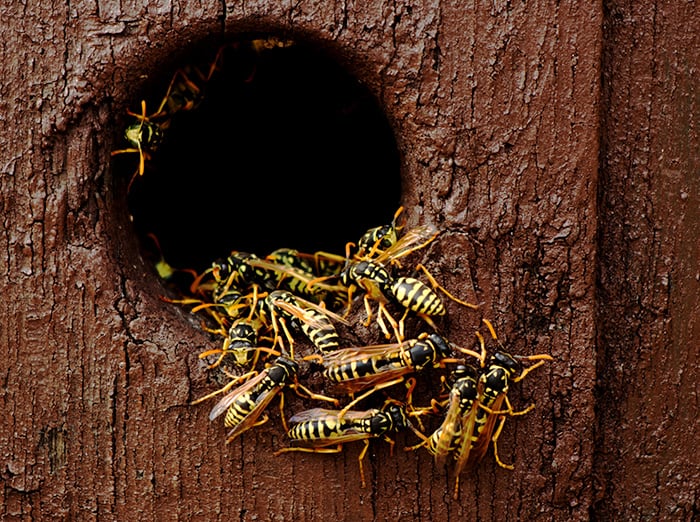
284, 149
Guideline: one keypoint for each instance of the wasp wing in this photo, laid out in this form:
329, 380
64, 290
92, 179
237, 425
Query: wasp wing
323, 414
481, 444
261, 403
464, 447
231, 397
359, 353
450, 428
317, 317
414, 239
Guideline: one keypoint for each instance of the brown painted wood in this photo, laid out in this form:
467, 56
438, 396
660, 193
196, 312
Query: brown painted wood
501, 120
647, 463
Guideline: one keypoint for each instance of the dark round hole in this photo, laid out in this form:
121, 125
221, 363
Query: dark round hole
285, 149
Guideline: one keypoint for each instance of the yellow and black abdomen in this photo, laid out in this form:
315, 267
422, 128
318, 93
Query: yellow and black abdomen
413, 294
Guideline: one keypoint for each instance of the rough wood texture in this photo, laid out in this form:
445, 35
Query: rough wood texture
647, 462
496, 108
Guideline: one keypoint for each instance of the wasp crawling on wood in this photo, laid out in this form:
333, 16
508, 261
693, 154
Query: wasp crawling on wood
246, 403
374, 277
447, 442
318, 429
458, 418
240, 344
371, 368
493, 405
313, 320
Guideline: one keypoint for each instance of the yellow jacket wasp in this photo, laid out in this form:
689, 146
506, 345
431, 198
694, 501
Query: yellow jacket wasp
379, 366
245, 404
325, 431
373, 276
489, 418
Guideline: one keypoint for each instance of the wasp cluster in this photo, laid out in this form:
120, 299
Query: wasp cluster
281, 319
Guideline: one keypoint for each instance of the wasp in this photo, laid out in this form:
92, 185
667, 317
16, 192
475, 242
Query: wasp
376, 367
301, 273
241, 343
458, 422
246, 403
460, 407
143, 136
183, 94
318, 429
378, 239
493, 385
373, 276
314, 321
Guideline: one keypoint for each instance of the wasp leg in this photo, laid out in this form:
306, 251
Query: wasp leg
423, 442
543, 359
398, 330
397, 326
282, 416
337, 449
369, 392
194, 287
509, 409
230, 385
429, 320
448, 294
494, 439
278, 337
311, 395
368, 308
314, 357
363, 485
207, 353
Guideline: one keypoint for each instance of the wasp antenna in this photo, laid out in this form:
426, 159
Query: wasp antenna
490, 327
479, 356
348, 245
541, 356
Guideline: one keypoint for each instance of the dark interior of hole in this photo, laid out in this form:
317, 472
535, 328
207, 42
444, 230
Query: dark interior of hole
285, 150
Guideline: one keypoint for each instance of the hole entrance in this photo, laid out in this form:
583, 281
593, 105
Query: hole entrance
283, 149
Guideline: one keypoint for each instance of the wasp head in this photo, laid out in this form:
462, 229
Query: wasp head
462, 371
505, 361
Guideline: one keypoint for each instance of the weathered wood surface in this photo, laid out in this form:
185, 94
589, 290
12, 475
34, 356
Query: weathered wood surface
649, 311
499, 114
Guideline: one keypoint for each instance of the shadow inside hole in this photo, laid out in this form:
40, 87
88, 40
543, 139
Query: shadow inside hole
285, 150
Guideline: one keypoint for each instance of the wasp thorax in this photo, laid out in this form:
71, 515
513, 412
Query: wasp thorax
462, 371
283, 369
397, 416
442, 349
505, 361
